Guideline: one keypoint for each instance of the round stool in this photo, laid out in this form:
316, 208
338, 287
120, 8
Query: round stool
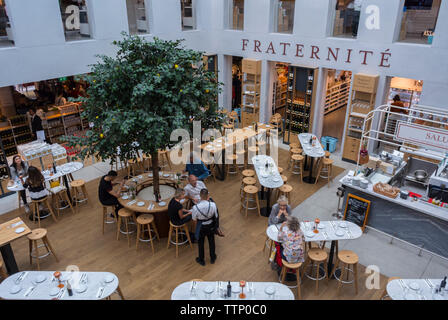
280, 170
34, 237
292, 266
316, 257
291, 153
59, 196
248, 181
80, 190
297, 165
178, 231
35, 204
294, 146
146, 220
253, 150
248, 173
327, 154
347, 259
325, 170
284, 178
285, 190
105, 216
250, 193
232, 167
126, 216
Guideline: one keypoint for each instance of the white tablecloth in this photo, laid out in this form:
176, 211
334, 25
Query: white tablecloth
184, 291
415, 289
328, 231
62, 170
42, 290
269, 178
314, 152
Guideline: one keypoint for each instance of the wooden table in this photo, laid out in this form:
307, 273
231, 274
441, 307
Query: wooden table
238, 136
160, 213
7, 235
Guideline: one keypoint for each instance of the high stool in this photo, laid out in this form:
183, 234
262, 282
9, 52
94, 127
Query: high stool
285, 190
3, 274
280, 170
347, 259
293, 146
293, 152
385, 294
34, 237
80, 191
60, 194
316, 256
327, 154
250, 193
248, 173
164, 159
177, 230
233, 165
297, 161
284, 178
36, 212
226, 127
146, 159
248, 181
134, 165
142, 221
108, 221
325, 170
127, 216
292, 266
241, 154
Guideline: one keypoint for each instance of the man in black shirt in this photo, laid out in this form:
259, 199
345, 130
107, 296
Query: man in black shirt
36, 122
106, 194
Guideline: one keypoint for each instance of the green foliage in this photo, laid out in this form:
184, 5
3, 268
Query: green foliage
144, 93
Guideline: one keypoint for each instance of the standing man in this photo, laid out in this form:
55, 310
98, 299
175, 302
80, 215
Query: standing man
36, 125
206, 215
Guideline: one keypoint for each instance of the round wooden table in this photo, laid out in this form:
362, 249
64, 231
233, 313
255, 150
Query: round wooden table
159, 212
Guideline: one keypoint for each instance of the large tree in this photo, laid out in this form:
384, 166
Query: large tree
137, 98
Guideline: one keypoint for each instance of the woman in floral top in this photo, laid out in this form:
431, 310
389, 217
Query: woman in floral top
293, 240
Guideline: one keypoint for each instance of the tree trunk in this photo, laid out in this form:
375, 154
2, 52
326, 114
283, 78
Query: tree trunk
155, 173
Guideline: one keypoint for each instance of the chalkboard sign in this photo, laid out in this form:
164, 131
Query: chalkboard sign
356, 210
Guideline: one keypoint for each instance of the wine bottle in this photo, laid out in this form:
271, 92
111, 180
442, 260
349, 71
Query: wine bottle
229, 290
54, 168
69, 289
443, 283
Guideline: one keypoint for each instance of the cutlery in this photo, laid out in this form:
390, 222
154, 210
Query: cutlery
429, 283
61, 294
100, 292
17, 281
30, 289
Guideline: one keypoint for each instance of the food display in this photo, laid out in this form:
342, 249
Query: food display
386, 190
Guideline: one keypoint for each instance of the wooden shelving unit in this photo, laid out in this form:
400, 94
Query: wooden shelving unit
280, 95
302, 84
65, 121
337, 96
362, 102
250, 92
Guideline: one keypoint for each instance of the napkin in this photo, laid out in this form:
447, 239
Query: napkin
131, 202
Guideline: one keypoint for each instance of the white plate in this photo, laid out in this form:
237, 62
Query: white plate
140, 204
269, 290
310, 234
15, 289
81, 288
340, 233
166, 175
342, 225
140, 177
133, 179
208, 289
162, 204
20, 230
320, 226
150, 175
54, 291
125, 197
40, 278
414, 286
109, 278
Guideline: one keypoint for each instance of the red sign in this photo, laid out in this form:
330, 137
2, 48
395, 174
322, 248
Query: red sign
422, 135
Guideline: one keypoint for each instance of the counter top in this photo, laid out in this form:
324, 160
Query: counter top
426, 208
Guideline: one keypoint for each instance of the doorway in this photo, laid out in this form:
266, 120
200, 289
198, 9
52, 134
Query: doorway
336, 100
236, 82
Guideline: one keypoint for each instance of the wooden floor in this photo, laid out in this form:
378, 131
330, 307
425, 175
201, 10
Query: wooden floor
78, 240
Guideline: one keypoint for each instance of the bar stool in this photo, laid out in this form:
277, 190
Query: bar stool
232, 168
146, 220
347, 259
164, 159
126, 216
293, 152
292, 266
33, 238
284, 178
227, 126
108, 221
325, 170
80, 191
280, 170
327, 154
146, 158
248, 181
385, 294
134, 165
60, 194
297, 161
178, 231
35, 204
316, 257
285, 190
248, 173
241, 154
250, 192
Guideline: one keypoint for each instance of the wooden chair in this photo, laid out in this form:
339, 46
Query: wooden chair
128, 217
36, 212
105, 220
182, 229
80, 191
292, 266
316, 256
33, 238
325, 170
347, 261
250, 195
146, 220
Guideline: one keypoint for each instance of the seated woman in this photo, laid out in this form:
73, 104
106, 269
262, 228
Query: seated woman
35, 183
197, 168
280, 211
293, 241
19, 169
178, 215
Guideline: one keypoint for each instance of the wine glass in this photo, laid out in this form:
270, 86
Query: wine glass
316, 223
242, 285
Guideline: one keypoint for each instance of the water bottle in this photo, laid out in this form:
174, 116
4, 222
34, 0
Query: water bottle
229, 290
